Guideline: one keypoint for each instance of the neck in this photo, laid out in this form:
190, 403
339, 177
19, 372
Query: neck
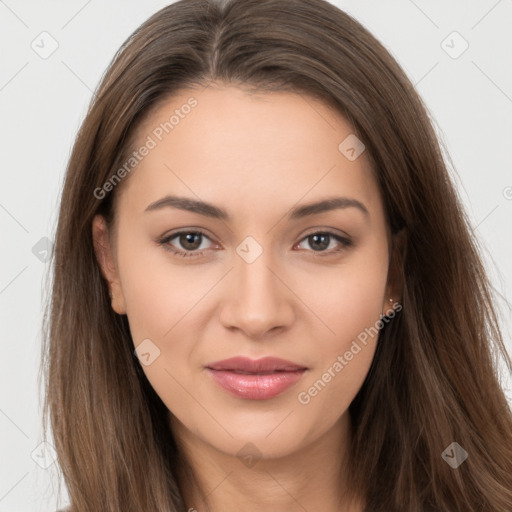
312, 478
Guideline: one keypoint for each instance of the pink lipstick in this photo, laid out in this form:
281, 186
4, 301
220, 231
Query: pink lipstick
255, 379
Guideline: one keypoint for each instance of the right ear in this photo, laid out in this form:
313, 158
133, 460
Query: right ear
106, 260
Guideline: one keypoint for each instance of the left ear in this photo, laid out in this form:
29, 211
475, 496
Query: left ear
395, 281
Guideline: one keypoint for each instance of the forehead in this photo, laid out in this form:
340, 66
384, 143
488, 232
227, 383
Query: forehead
247, 151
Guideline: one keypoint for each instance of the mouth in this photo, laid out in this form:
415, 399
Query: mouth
255, 379
264, 365
252, 373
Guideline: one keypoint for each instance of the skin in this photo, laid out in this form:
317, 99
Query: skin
256, 157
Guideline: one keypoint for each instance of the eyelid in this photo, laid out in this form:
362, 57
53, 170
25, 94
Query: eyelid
316, 229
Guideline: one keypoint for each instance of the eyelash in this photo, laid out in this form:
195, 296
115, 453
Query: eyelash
164, 242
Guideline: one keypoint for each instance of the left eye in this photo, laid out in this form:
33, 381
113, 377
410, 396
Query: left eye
191, 242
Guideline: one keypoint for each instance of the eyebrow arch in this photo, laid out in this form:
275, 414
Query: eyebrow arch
299, 212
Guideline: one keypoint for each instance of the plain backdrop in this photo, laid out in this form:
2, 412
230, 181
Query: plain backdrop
43, 99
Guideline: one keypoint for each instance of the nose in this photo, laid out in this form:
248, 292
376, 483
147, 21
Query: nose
258, 298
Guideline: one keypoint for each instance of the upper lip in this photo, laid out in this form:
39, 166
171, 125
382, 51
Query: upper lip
245, 364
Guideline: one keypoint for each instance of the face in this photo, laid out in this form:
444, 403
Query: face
256, 274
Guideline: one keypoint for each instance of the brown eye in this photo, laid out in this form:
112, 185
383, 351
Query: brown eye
319, 241
188, 243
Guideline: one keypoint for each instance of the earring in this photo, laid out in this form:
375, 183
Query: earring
397, 303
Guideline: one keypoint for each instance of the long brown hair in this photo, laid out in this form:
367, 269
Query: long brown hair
433, 380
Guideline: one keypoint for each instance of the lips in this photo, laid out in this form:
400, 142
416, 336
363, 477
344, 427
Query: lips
262, 366
255, 379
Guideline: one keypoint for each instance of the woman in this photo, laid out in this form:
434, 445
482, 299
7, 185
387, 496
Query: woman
266, 293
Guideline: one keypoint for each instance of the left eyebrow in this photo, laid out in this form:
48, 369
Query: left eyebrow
299, 212
326, 205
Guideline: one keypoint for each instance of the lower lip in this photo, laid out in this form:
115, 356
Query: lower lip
255, 387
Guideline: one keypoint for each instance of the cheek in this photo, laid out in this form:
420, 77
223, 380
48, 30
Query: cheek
164, 311
158, 293
345, 357
347, 299
161, 301
328, 393
349, 304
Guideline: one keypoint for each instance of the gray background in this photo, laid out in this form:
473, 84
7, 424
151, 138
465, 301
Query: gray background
43, 101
